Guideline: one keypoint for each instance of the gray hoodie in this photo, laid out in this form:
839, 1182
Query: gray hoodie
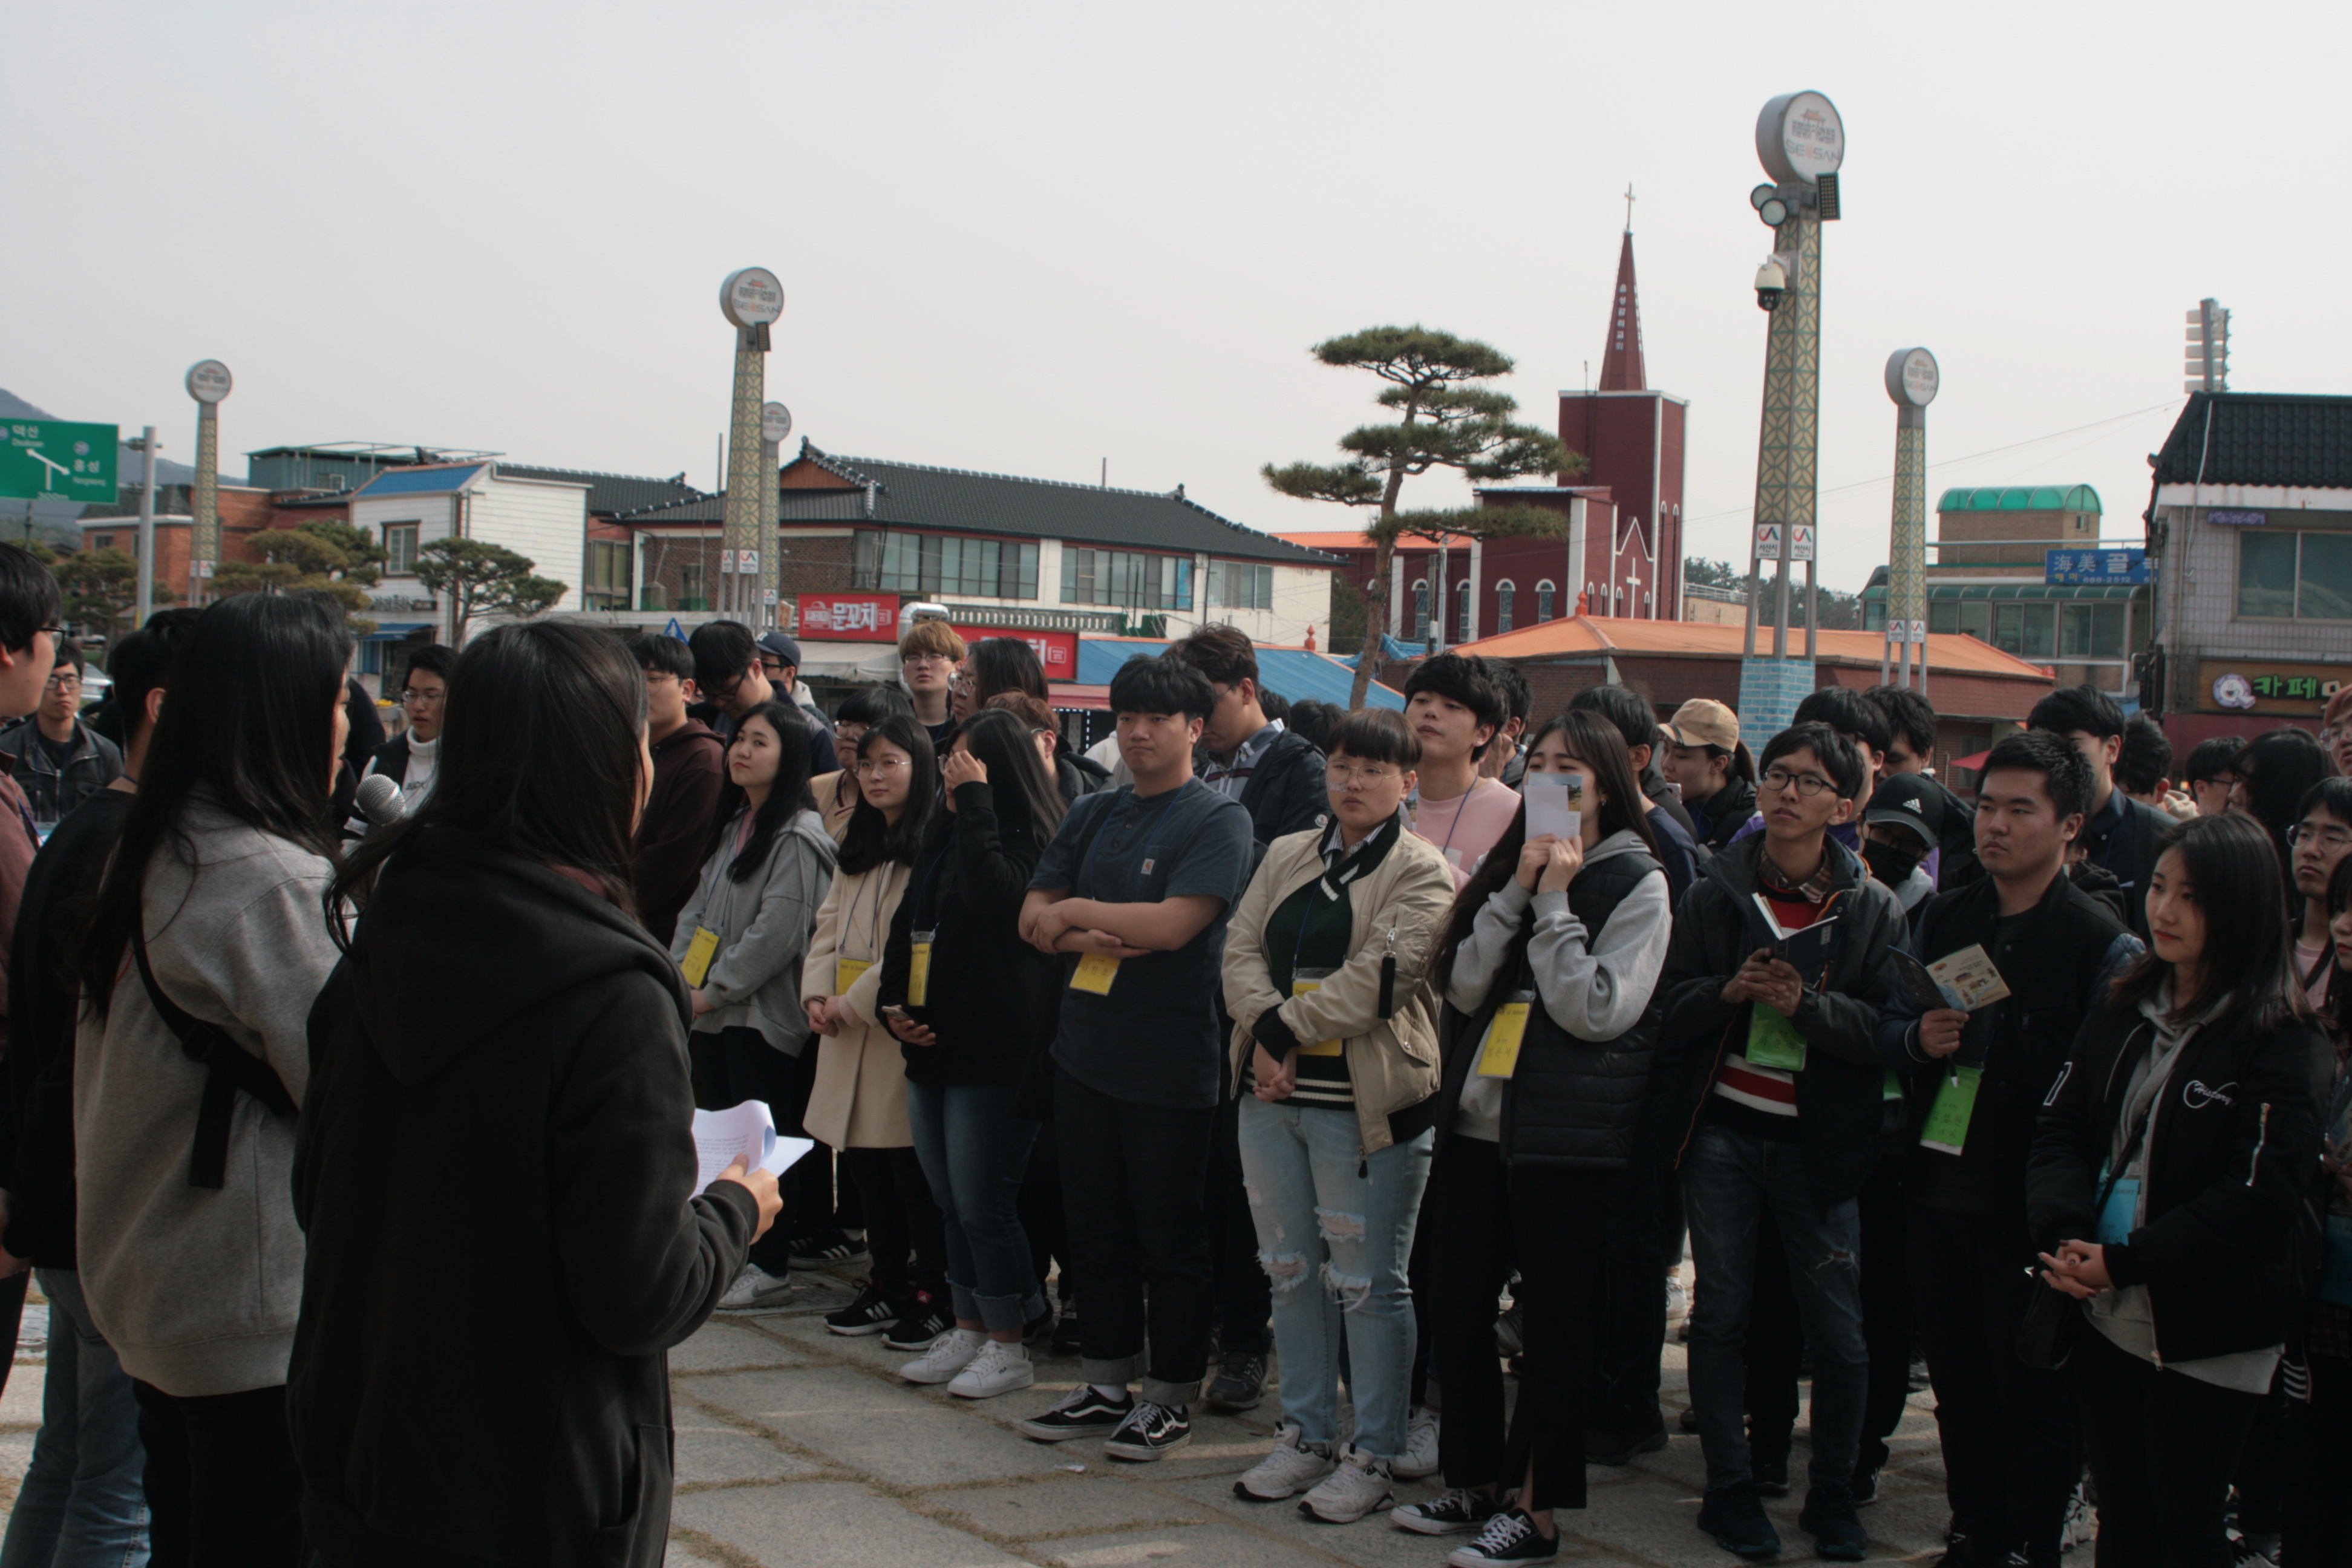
763, 926
195, 1290
1594, 991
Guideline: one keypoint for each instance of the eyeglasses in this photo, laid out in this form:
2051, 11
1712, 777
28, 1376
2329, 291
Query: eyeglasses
53, 631
848, 730
926, 658
876, 770
771, 667
1341, 775
2331, 839
1777, 780
65, 682
421, 699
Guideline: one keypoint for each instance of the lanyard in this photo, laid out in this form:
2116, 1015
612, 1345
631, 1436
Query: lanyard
849, 916
1134, 873
923, 888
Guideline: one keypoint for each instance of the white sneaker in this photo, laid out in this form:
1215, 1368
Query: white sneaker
999, 1368
1356, 1488
753, 1288
1677, 1297
1291, 1468
1420, 1456
949, 1356
2082, 1526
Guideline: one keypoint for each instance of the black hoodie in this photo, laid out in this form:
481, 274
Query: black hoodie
499, 1107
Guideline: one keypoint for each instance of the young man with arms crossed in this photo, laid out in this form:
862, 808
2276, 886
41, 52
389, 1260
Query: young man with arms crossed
1456, 712
1135, 889
690, 766
1781, 1103
1977, 1084
2121, 833
1279, 779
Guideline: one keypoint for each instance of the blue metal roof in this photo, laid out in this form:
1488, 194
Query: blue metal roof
1292, 672
420, 481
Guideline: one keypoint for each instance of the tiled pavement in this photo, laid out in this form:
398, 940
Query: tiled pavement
798, 1447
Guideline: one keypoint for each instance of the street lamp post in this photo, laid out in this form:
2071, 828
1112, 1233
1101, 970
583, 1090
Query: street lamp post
750, 299
209, 383
775, 425
1912, 379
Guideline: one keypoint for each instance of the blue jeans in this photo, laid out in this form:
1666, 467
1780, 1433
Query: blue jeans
1729, 1180
974, 1156
82, 1503
1315, 1215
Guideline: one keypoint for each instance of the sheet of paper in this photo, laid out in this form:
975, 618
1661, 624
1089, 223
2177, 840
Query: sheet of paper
1555, 805
1925, 993
1969, 978
747, 1130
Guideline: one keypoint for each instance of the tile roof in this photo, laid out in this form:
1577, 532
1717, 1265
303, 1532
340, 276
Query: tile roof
914, 495
1950, 651
1353, 539
610, 494
2259, 439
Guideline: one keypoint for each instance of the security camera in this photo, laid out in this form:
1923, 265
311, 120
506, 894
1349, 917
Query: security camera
1771, 282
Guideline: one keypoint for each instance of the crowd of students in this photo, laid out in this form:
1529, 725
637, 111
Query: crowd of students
1274, 1038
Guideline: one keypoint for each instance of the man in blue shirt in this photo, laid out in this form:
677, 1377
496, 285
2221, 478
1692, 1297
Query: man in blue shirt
1135, 889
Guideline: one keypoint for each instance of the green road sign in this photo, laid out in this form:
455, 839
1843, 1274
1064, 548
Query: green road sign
51, 457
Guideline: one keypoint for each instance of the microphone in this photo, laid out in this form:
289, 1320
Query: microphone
379, 801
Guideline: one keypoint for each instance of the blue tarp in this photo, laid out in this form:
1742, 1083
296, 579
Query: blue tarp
1393, 652
418, 481
1293, 672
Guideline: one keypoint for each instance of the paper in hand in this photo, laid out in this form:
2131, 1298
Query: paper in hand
1968, 978
1807, 949
1925, 995
1555, 805
748, 1131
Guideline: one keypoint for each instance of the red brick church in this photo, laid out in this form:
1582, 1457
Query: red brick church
1623, 552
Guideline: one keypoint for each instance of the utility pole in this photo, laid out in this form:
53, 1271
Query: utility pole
146, 583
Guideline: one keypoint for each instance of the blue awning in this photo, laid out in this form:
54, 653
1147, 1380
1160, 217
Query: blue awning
420, 481
1290, 672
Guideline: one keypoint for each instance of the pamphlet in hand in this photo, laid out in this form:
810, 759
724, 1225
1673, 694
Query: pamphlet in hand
1555, 805
747, 1130
1807, 950
1967, 979
1924, 993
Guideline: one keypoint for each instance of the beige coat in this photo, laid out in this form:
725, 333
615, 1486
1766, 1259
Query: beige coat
1400, 907
859, 1101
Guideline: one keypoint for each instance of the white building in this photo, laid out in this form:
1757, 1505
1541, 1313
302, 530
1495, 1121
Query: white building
407, 509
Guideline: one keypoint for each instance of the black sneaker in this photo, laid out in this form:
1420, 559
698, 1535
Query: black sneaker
1239, 1382
1688, 1419
1081, 1414
829, 1249
920, 1321
1609, 1446
1510, 1536
1456, 1511
1770, 1471
1828, 1518
874, 1310
1039, 1328
1735, 1516
1865, 1486
1150, 1432
1066, 1331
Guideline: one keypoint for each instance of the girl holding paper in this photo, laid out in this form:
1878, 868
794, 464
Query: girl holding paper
859, 1102
1335, 1037
1549, 961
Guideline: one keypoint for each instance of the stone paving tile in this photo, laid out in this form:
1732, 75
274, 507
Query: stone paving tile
825, 1525
1045, 1508
893, 1435
711, 1453
726, 1346
1200, 1546
20, 1406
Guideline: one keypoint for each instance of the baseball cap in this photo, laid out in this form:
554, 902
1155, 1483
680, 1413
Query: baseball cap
1703, 722
1912, 801
777, 646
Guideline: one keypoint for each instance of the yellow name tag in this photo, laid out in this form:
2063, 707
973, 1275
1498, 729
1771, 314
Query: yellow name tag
846, 971
1320, 1047
1094, 973
699, 954
919, 975
1498, 1054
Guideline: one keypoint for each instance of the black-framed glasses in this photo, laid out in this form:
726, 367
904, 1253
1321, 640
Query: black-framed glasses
63, 680
1808, 785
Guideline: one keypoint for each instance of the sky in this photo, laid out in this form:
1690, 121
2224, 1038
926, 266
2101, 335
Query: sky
1038, 239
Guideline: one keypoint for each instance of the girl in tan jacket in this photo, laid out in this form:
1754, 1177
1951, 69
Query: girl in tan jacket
859, 1102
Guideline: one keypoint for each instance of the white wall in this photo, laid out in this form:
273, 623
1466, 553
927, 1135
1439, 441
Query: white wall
545, 520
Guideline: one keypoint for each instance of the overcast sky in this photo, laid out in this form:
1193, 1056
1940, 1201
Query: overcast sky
1026, 238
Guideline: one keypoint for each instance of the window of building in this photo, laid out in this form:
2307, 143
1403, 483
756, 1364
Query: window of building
953, 564
2299, 577
399, 549
608, 584
1971, 618
1462, 611
1421, 609
2091, 631
1239, 585
693, 586
1128, 579
1544, 594
1504, 593
2029, 631
102, 541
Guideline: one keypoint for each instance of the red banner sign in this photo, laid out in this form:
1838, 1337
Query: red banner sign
850, 617
1058, 651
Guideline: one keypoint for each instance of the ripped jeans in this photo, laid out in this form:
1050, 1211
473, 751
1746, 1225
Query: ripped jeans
1729, 1178
1334, 1246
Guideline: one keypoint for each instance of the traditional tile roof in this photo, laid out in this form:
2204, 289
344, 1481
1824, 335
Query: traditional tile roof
2259, 439
910, 495
610, 494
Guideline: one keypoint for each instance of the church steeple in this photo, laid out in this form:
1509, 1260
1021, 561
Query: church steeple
1621, 364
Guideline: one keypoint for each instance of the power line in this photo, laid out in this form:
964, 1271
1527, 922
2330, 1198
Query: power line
1949, 462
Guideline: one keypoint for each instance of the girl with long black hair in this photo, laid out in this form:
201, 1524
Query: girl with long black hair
1550, 958
740, 939
858, 1105
206, 944
974, 1007
2171, 1180
499, 1094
